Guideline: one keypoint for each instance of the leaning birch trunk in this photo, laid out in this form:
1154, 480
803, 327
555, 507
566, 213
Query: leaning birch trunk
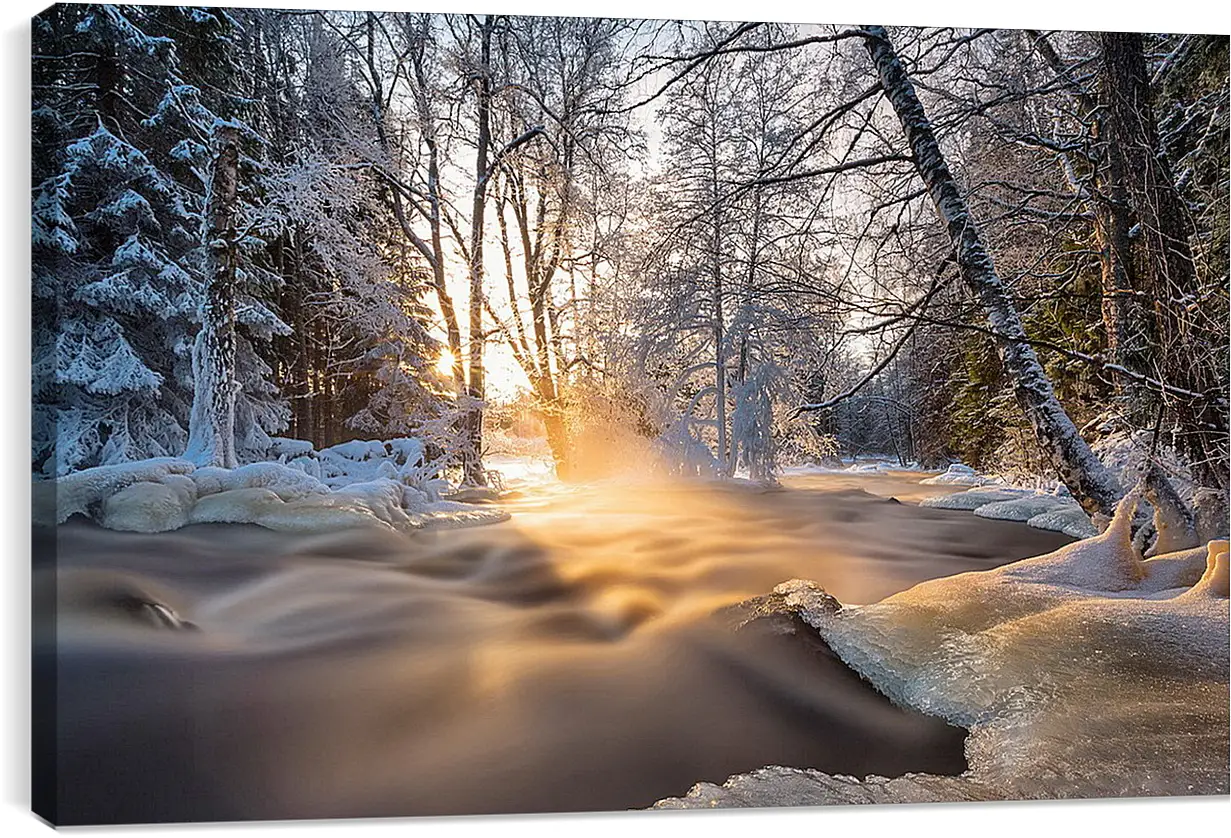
211, 426
1091, 484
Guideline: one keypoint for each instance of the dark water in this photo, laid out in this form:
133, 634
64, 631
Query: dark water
564, 661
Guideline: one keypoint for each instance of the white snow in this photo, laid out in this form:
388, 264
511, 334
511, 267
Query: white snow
380, 484
1025, 508
76, 493
234, 506
521, 471
1044, 510
150, 507
1071, 520
1022, 652
288, 449
1126, 454
288, 483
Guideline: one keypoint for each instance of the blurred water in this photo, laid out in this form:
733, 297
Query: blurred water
566, 660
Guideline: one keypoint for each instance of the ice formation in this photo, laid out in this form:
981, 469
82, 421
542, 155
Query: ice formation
1087, 672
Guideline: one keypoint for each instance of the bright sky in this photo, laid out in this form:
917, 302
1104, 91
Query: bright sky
505, 378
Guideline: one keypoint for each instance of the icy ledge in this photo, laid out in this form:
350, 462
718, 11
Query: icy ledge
165, 494
1087, 672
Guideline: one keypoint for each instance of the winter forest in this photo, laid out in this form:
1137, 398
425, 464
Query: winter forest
716, 239
311, 270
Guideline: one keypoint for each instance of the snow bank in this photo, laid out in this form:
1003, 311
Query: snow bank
1071, 520
1126, 454
78, 493
1020, 655
286, 482
873, 467
958, 475
778, 786
362, 461
150, 507
365, 484
1044, 511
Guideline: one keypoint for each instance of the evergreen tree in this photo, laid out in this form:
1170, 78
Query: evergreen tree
120, 147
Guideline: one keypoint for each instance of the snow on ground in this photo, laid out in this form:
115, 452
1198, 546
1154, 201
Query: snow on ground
360, 483
1126, 455
847, 466
1021, 655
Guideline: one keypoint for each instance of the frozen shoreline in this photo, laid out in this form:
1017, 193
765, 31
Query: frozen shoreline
1087, 672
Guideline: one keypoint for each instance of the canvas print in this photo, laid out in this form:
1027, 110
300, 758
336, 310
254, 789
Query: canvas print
461, 413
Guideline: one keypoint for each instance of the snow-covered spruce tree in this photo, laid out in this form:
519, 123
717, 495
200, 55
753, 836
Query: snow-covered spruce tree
117, 195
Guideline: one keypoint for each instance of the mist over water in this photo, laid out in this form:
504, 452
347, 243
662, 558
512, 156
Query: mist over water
566, 660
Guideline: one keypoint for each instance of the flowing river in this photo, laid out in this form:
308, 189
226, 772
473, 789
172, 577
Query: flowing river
569, 659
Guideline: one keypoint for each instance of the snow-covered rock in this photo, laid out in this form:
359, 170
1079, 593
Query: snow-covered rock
406, 450
972, 499
1026, 507
288, 483
775, 785
288, 449
150, 507
76, 493
1044, 511
234, 506
368, 483
1071, 520
958, 475
328, 513
356, 450
384, 498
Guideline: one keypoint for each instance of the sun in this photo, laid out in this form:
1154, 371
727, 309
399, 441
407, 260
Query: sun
444, 364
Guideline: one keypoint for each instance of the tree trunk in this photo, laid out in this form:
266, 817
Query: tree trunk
473, 460
1089, 481
1169, 273
552, 414
1124, 318
427, 124
719, 323
211, 428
